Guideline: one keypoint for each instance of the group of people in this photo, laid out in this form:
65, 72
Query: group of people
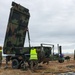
33, 58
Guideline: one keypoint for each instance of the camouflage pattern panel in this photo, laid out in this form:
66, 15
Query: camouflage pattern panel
47, 51
16, 29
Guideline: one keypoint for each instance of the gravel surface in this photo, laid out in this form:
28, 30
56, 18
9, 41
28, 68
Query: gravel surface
54, 68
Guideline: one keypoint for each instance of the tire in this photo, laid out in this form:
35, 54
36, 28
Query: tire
61, 60
15, 64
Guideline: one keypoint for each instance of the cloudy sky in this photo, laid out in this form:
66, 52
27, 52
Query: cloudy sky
51, 21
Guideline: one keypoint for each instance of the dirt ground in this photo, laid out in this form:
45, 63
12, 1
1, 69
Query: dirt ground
53, 68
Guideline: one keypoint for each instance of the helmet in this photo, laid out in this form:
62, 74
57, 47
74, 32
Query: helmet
0, 47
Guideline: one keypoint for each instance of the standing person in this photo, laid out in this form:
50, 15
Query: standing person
33, 59
0, 56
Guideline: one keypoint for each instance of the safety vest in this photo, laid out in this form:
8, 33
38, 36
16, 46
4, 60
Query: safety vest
0, 54
33, 54
0, 50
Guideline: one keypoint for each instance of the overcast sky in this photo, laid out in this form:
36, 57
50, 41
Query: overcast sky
51, 21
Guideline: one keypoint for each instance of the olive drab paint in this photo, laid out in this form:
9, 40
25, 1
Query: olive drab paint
16, 29
16, 33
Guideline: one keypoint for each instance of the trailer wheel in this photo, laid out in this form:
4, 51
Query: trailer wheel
61, 60
15, 64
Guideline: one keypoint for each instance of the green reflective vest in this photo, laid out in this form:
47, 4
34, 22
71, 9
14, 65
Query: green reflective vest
0, 54
33, 54
0, 50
